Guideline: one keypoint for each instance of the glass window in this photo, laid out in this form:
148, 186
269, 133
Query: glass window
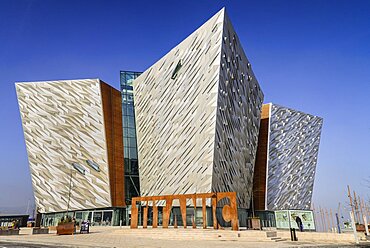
134, 167
125, 121
107, 218
137, 185
125, 141
131, 132
125, 152
87, 216
97, 217
132, 186
133, 153
178, 67
130, 98
124, 98
130, 110
126, 165
132, 142
131, 122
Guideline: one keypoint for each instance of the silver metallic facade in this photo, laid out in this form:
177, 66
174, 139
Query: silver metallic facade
294, 139
197, 116
63, 126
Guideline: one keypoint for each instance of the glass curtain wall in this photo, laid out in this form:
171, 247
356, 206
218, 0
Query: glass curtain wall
96, 217
132, 185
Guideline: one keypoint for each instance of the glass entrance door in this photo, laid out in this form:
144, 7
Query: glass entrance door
97, 218
107, 218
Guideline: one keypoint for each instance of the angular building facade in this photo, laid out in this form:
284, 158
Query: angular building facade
287, 153
192, 123
198, 115
73, 133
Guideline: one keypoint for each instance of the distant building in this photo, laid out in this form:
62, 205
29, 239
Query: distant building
8, 220
73, 133
287, 152
197, 113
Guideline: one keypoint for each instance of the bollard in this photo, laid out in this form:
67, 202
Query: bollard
293, 235
353, 223
366, 226
338, 224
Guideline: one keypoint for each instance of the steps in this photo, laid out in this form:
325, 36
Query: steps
273, 236
201, 234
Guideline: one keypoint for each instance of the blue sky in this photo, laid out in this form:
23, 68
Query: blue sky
312, 56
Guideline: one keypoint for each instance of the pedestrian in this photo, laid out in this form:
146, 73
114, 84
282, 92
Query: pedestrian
17, 224
299, 223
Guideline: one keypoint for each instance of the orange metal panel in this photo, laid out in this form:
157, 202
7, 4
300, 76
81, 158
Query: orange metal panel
230, 212
155, 215
204, 212
112, 110
260, 168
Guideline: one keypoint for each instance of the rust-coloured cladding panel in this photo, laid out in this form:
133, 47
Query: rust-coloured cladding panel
259, 177
229, 211
112, 108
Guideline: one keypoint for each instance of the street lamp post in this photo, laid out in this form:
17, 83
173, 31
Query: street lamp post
69, 190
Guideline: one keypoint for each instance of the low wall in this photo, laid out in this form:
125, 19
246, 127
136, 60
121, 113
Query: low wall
322, 236
9, 232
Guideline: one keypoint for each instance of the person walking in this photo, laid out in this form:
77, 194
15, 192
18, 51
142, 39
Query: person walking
299, 223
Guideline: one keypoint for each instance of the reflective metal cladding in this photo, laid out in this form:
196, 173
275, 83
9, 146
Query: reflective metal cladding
197, 114
286, 158
68, 128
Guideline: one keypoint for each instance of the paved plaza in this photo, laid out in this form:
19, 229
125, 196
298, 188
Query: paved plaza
179, 238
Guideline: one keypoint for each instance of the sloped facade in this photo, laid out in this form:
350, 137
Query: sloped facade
73, 134
286, 158
197, 116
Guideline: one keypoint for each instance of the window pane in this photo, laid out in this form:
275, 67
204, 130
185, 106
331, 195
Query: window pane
132, 142
107, 217
131, 132
126, 165
133, 153
97, 217
131, 122
124, 119
124, 98
125, 152
134, 167
130, 110
130, 98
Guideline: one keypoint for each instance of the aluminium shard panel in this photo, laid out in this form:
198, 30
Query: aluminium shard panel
197, 116
63, 124
238, 120
294, 139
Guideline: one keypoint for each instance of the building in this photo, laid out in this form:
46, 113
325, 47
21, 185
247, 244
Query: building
287, 152
8, 220
73, 133
132, 184
197, 125
197, 116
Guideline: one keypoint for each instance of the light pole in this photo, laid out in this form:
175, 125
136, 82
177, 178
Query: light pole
69, 190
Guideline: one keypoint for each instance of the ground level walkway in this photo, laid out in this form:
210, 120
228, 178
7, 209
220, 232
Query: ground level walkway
179, 238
